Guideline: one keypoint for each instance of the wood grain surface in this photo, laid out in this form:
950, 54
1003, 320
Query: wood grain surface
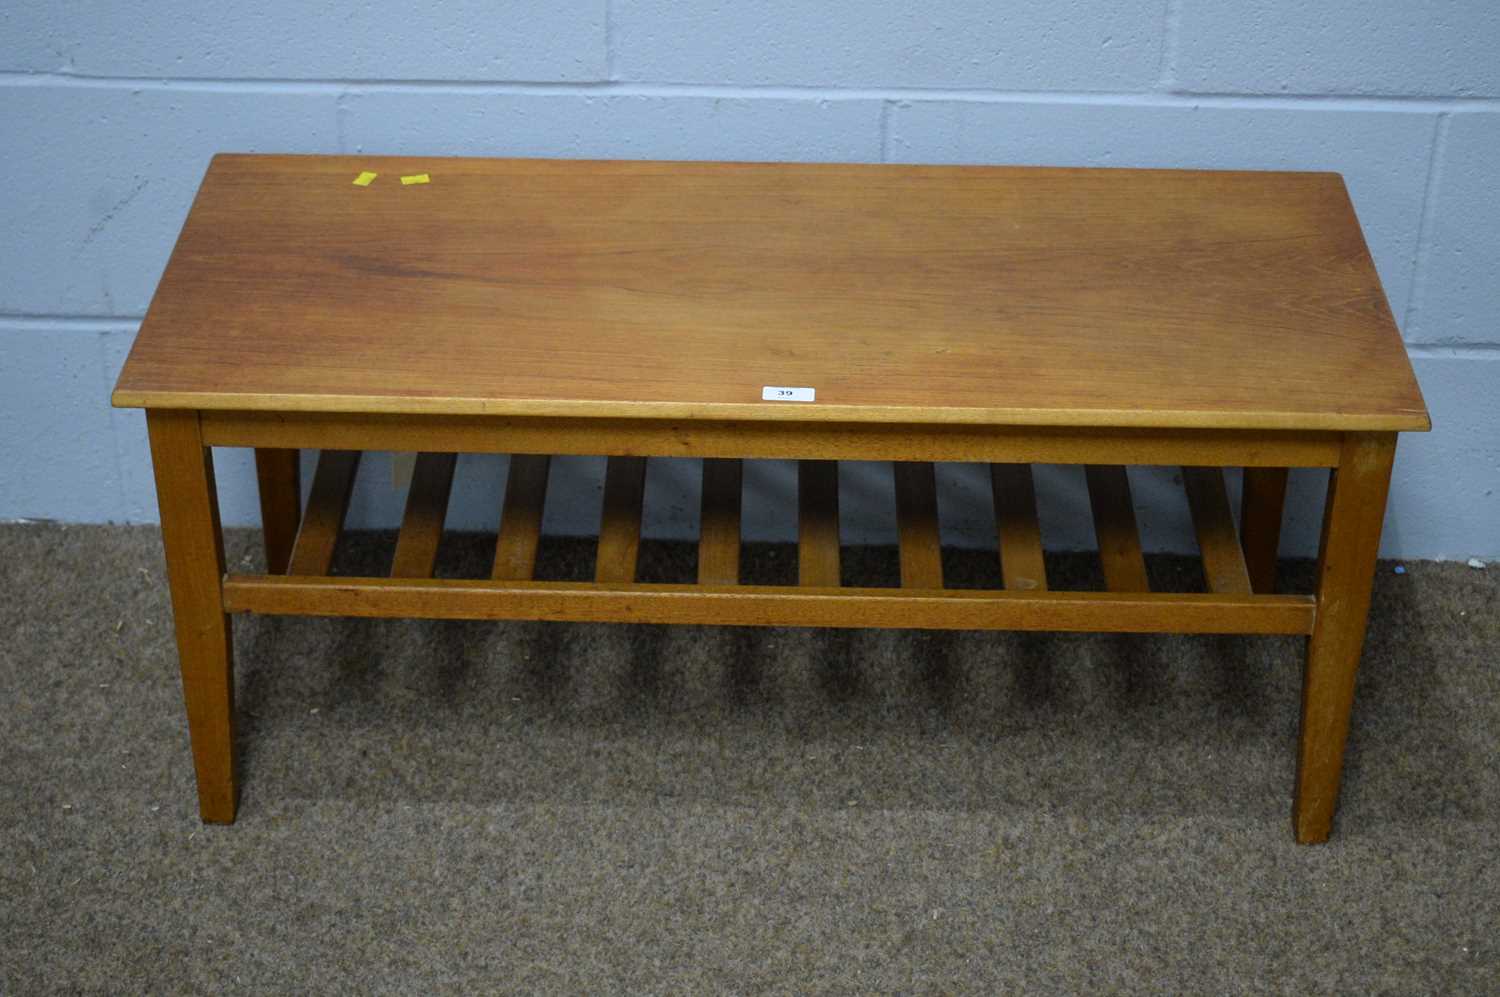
620, 519
1224, 568
1262, 506
917, 527
902, 294
327, 505
1115, 529
719, 533
521, 517
1023, 565
278, 475
552, 435
426, 509
194, 545
818, 545
770, 605
1352, 519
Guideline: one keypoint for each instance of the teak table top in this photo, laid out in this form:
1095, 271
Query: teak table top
911, 294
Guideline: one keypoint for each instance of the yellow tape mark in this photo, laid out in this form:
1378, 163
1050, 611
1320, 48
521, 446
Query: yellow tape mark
416, 178
365, 179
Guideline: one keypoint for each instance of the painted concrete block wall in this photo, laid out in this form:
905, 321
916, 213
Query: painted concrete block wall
108, 116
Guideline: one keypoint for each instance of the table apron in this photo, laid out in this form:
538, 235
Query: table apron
772, 440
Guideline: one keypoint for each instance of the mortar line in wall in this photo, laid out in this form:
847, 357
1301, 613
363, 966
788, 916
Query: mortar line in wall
1180, 98
340, 112
1453, 351
1417, 282
1166, 70
609, 40
117, 323
106, 387
22, 321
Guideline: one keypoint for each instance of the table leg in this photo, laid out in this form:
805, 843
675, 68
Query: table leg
195, 568
280, 475
1260, 524
1346, 569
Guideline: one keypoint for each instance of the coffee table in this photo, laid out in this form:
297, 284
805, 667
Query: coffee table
732, 311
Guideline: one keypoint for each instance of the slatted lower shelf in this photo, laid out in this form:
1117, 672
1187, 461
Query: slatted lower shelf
1238, 599
768, 605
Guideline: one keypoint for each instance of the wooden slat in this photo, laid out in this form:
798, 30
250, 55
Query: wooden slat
719, 536
426, 508
758, 605
521, 517
1261, 505
1114, 526
1022, 565
818, 523
278, 473
939, 439
917, 525
620, 522
1223, 561
333, 483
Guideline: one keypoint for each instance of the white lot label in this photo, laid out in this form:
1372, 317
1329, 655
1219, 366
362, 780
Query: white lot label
770, 393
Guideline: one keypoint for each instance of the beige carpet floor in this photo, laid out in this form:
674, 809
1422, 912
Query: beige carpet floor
551, 808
